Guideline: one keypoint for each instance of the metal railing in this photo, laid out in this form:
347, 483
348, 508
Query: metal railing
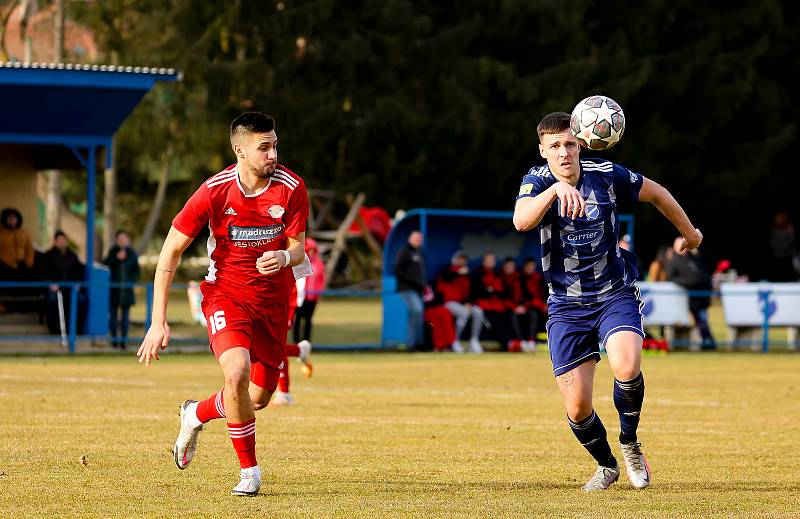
72, 318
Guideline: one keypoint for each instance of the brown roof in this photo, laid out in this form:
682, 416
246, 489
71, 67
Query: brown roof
79, 41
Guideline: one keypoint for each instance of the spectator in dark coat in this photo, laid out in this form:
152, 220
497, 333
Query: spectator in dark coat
689, 271
123, 263
61, 264
409, 269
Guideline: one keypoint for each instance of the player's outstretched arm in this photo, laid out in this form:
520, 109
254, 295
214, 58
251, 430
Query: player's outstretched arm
658, 195
157, 336
272, 261
529, 211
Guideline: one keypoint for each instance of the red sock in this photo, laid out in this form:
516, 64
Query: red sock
292, 350
243, 437
283, 379
211, 408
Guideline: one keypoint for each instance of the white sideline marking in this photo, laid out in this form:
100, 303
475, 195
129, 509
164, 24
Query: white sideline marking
79, 380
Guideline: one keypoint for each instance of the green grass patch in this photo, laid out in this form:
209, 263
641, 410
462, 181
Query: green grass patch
398, 435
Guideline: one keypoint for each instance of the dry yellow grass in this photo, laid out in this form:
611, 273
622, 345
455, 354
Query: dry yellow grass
398, 435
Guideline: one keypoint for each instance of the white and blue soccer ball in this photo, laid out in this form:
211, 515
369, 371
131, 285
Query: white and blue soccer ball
598, 122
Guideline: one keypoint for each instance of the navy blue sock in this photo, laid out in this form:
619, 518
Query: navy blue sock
628, 398
592, 435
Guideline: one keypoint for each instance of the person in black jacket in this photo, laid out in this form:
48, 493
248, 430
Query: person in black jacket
689, 271
124, 265
409, 269
61, 264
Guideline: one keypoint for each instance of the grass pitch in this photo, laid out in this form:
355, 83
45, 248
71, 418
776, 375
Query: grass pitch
398, 435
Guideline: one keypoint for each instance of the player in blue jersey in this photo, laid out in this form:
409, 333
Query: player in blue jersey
593, 299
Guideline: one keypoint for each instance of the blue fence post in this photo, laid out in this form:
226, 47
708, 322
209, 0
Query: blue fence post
73, 317
149, 307
764, 296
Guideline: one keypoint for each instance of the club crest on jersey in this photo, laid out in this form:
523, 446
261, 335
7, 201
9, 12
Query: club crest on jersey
266, 232
583, 237
592, 212
276, 211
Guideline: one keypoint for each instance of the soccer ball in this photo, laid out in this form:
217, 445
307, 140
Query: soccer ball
597, 122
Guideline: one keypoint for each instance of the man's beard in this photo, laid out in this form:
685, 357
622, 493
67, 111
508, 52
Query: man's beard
263, 173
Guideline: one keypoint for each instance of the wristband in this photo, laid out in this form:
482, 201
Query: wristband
287, 258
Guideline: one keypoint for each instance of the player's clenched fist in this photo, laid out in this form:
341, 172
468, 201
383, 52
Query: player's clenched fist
572, 203
691, 242
157, 338
271, 262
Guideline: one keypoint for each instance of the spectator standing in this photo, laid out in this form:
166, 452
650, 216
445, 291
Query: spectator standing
688, 270
409, 269
307, 293
123, 263
657, 271
453, 287
783, 246
61, 264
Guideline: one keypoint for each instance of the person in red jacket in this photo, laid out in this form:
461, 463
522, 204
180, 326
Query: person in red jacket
453, 287
515, 305
489, 293
310, 288
534, 297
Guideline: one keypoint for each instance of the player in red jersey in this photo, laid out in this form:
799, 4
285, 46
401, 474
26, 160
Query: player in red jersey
256, 211
301, 350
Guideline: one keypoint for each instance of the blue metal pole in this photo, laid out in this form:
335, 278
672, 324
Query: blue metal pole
764, 295
91, 171
73, 317
149, 307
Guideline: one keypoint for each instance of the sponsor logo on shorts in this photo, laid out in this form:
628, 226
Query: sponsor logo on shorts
266, 232
592, 212
581, 237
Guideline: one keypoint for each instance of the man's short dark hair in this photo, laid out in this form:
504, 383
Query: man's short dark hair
120, 231
251, 122
555, 122
58, 233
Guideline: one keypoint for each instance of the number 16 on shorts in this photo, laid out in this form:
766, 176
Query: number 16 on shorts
217, 321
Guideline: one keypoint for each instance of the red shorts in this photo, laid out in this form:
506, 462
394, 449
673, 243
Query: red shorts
234, 324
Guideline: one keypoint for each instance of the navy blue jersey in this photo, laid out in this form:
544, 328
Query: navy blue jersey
581, 260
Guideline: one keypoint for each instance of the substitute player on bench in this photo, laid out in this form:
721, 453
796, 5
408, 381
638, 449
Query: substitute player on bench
256, 211
593, 299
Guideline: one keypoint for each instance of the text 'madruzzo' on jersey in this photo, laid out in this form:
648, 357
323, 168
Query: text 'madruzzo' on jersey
266, 232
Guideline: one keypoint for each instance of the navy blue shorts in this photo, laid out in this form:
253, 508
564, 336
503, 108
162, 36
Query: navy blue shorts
576, 332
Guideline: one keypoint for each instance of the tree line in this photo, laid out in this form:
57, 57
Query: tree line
434, 104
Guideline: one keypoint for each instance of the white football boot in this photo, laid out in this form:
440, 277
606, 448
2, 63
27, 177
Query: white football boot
636, 464
249, 482
280, 399
305, 358
186, 444
603, 478
475, 346
457, 347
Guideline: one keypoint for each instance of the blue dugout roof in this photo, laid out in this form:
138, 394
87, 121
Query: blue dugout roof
70, 105
66, 113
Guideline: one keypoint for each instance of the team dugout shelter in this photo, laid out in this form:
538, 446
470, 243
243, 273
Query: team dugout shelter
446, 231
64, 116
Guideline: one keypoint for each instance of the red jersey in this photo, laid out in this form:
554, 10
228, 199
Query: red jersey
243, 227
453, 286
